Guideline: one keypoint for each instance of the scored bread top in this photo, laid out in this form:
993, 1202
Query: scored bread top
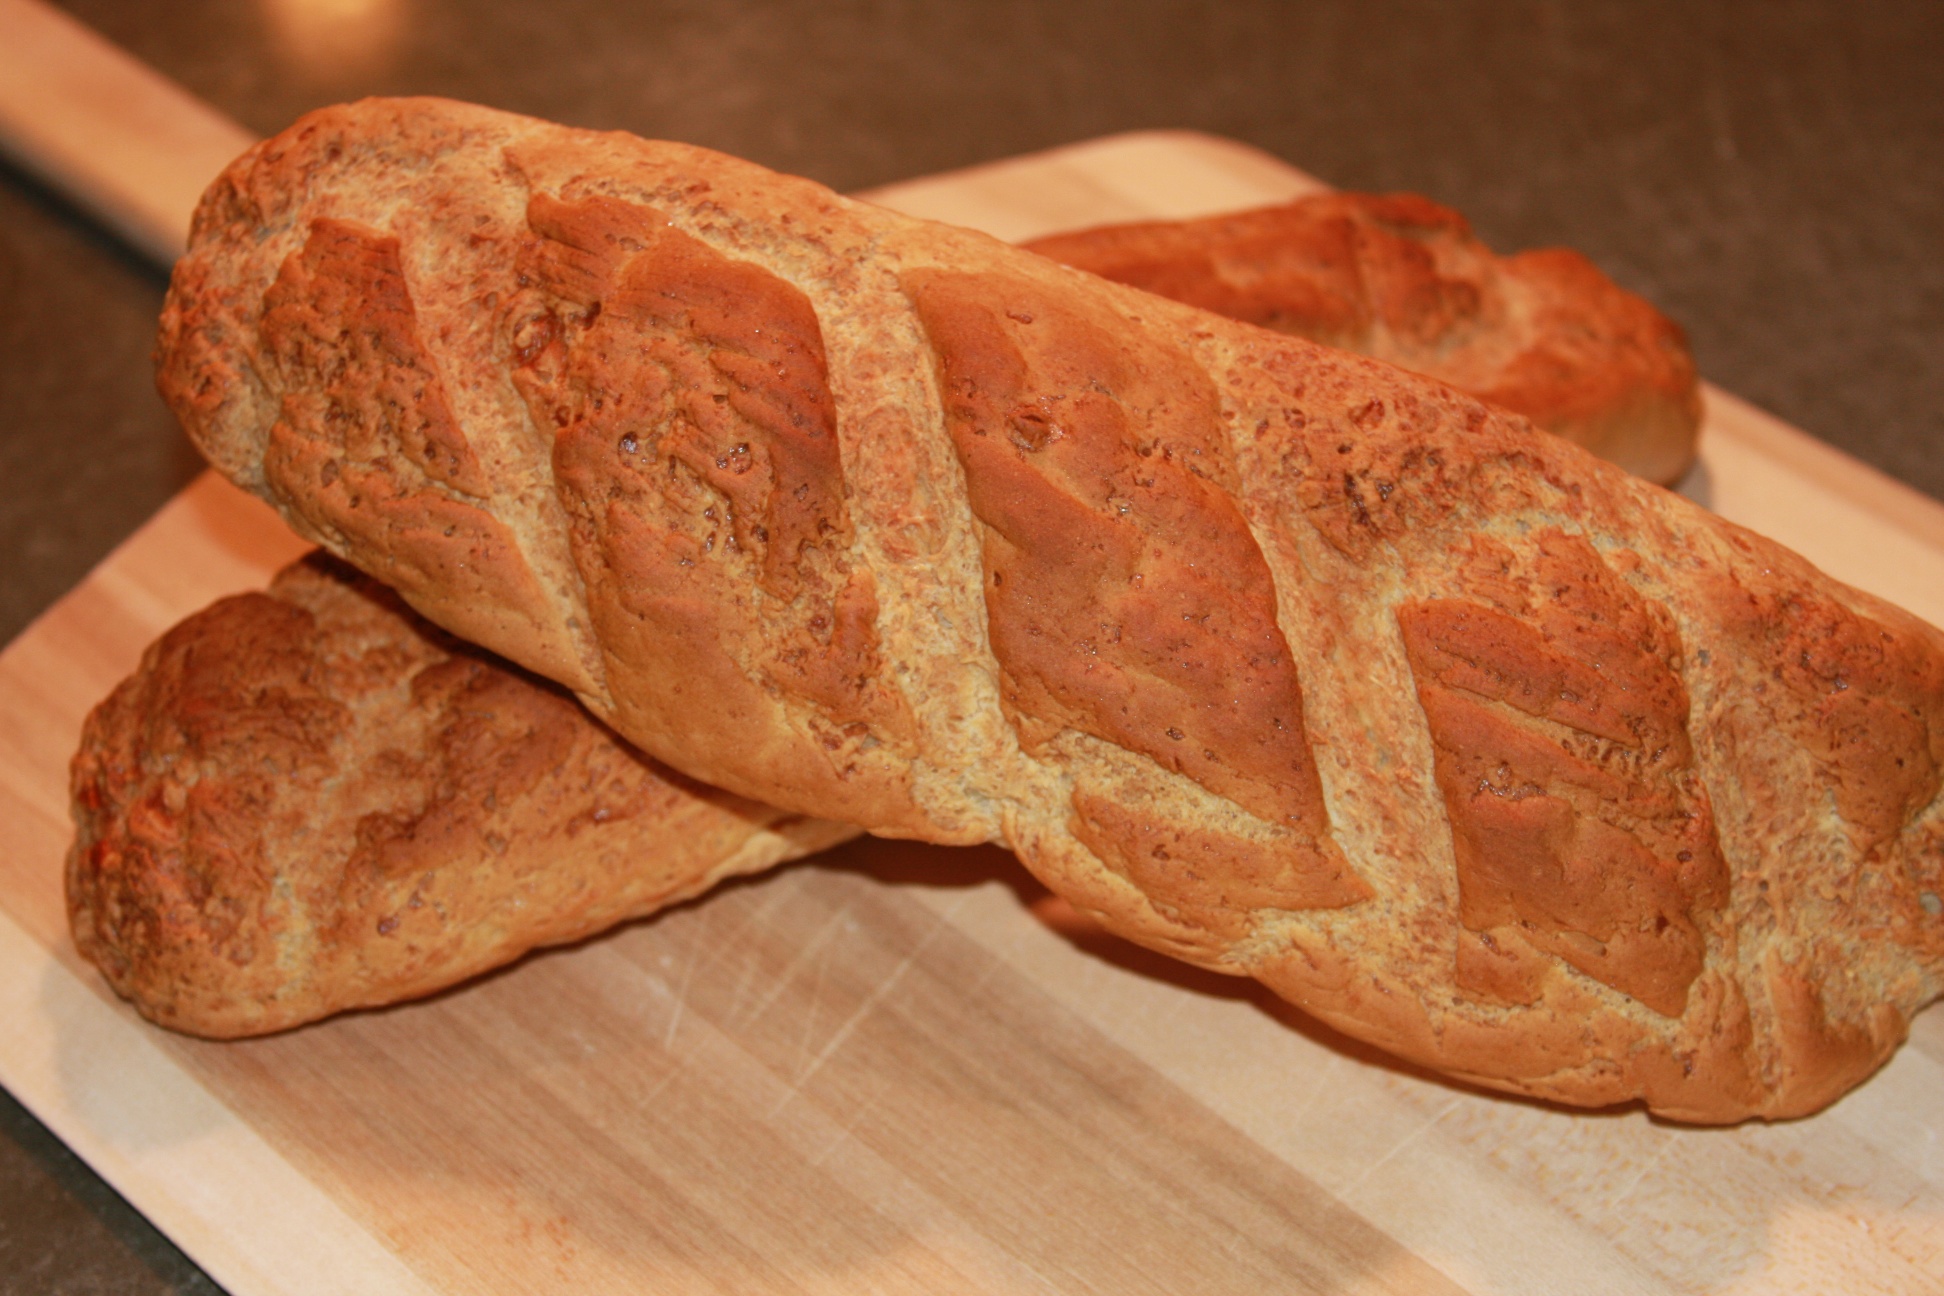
1277, 659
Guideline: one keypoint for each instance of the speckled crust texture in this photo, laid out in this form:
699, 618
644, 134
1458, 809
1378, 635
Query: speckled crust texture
1402, 279
1277, 659
309, 800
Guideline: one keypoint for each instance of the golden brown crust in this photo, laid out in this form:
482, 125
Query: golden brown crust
309, 800
1402, 279
697, 461
1584, 834
1441, 577
1124, 595
367, 439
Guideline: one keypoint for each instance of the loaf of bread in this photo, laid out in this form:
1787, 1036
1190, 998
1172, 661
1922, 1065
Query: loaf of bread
306, 931
310, 800
1280, 660
1400, 278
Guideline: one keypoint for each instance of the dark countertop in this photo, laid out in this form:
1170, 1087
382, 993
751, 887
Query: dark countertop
1770, 173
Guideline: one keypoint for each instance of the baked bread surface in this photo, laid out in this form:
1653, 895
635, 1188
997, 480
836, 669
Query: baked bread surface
309, 800
1279, 660
1402, 279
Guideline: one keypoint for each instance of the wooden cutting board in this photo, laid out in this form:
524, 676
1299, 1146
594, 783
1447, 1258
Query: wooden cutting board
891, 1069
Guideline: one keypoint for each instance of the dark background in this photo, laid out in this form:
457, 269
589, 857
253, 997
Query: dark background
1770, 173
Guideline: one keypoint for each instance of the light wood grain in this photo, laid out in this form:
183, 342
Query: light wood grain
897, 1069
130, 146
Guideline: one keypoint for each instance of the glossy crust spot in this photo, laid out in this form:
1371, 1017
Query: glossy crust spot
366, 455
1558, 722
340, 315
695, 450
1125, 595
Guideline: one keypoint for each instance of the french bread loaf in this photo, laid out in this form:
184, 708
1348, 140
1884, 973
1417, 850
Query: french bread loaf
1400, 278
305, 933
313, 927
1276, 659
309, 800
